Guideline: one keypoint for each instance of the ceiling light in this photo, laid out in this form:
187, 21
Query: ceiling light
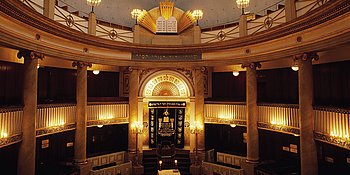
96, 72
295, 67
235, 73
233, 125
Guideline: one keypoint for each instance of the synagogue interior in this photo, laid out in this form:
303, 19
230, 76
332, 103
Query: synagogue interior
170, 87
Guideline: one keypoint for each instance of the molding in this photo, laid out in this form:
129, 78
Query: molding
279, 128
107, 122
332, 140
10, 140
54, 129
225, 121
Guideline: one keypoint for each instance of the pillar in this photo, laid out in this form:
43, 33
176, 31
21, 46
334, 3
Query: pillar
290, 9
49, 8
199, 104
80, 131
133, 106
252, 119
308, 153
243, 25
196, 35
137, 33
26, 154
92, 23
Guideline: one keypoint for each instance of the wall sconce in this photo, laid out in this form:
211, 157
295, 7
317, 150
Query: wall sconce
3, 135
137, 128
196, 128
93, 3
197, 14
160, 165
135, 13
235, 73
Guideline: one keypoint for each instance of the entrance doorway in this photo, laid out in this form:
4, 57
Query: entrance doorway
166, 123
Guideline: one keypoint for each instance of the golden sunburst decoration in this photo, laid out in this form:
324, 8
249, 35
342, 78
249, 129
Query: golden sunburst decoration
166, 9
185, 21
147, 21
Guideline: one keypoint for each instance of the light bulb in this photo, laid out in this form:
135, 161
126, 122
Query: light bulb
235, 73
295, 67
96, 72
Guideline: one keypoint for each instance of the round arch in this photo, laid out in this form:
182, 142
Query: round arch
166, 83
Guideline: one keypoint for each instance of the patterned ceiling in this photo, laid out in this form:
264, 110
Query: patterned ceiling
216, 12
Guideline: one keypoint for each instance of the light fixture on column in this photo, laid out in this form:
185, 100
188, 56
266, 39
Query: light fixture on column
295, 66
235, 73
93, 3
196, 128
137, 128
197, 14
95, 72
135, 13
242, 4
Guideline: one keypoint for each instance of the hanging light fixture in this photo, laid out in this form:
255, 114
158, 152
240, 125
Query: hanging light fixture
135, 13
295, 66
197, 14
93, 3
242, 4
96, 72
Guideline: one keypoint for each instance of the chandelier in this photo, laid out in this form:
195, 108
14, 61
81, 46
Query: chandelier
93, 3
242, 4
135, 13
197, 14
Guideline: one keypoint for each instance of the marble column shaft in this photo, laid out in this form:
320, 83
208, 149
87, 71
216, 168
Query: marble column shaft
81, 98
26, 155
199, 104
252, 115
133, 106
308, 154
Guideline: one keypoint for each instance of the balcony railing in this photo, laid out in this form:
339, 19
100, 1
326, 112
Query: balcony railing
10, 125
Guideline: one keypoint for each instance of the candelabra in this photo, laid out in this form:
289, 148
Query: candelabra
93, 3
137, 128
196, 128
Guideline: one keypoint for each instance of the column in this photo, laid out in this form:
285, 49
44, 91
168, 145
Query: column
26, 154
92, 23
49, 8
290, 9
137, 168
137, 33
196, 35
243, 25
308, 153
80, 131
252, 118
199, 103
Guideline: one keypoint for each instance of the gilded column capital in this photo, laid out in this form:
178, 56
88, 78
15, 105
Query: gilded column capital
306, 56
252, 65
30, 54
81, 64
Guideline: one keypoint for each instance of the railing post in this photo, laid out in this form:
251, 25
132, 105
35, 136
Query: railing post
49, 8
290, 10
26, 155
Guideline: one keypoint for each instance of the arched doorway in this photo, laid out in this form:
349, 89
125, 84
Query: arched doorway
166, 100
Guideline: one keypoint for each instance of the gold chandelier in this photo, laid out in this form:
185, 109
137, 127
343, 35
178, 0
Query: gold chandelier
93, 3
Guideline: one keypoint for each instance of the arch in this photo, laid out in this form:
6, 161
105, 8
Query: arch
166, 83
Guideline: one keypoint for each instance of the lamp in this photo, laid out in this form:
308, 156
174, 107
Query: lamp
196, 128
295, 66
242, 4
137, 128
135, 13
95, 72
93, 3
235, 73
197, 14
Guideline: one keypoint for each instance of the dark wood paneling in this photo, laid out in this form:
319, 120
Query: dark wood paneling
8, 159
108, 139
339, 156
11, 78
105, 84
226, 139
52, 160
227, 87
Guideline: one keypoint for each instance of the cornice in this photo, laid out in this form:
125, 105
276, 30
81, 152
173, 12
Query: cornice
334, 11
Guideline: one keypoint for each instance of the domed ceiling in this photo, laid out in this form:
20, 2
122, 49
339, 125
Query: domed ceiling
216, 12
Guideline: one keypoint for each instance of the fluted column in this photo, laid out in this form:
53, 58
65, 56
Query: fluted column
26, 154
308, 153
199, 104
92, 23
49, 8
81, 98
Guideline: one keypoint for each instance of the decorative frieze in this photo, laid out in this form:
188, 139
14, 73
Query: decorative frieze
341, 142
54, 129
279, 128
10, 140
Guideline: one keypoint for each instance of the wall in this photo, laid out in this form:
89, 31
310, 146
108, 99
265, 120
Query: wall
8, 158
11, 78
227, 87
225, 139
332, 159
108, 139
